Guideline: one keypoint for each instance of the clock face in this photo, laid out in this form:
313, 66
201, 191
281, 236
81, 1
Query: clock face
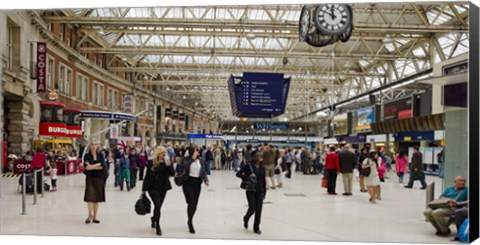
333, 19
304, 23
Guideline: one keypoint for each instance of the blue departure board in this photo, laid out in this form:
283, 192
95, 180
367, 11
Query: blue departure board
258, 94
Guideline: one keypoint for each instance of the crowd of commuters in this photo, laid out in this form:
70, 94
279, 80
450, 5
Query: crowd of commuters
268, 163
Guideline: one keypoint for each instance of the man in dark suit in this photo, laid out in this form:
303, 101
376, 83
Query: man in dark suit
416, 169
347, 160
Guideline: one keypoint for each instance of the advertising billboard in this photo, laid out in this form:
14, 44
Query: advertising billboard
365, 117
340, 124
399, 109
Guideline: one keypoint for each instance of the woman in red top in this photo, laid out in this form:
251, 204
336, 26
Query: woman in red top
143, 162
332, 167
401, 163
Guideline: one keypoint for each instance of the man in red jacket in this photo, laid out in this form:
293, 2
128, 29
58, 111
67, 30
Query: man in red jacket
332, 168
38, 162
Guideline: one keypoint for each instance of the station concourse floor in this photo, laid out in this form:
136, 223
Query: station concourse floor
300, 211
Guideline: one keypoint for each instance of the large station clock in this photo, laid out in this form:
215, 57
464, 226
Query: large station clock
333, 18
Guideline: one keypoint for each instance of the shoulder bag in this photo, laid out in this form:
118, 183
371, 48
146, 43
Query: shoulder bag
179, 178
249, 182
442, 202
366, 171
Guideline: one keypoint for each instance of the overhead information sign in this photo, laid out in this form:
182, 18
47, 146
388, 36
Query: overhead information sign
258, 94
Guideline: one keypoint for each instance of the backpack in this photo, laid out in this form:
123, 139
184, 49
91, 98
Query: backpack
464, 231
223, 156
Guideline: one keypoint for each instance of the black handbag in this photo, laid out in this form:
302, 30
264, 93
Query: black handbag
179, 178
277, 171
249, 182
366, 171
417, 175
143, 205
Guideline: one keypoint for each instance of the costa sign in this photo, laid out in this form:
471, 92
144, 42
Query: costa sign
73, 131
41, 67
21, 166
53, 129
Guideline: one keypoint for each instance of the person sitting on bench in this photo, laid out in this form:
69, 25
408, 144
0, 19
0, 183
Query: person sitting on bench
440, 217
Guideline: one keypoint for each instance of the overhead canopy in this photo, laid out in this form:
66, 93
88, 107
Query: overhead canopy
189, 52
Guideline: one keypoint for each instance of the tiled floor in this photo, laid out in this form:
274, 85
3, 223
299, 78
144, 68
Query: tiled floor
299, 211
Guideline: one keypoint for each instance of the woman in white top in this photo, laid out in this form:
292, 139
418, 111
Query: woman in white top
372, 181
195, 171
279, 168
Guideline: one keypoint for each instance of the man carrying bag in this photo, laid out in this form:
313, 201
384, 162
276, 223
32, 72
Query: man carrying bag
416, 169
440, 211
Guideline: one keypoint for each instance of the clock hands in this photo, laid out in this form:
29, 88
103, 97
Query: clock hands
332, 13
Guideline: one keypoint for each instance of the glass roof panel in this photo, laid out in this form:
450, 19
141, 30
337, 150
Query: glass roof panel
124, 42
363, 63
445, 41
104, 13
292, 15
409, 68
77, 11
174, 13
463, 47
110, 37
257, 14
390, 47
226, 60
461, 8
222, 14
202, 59
152, 58
436, 17
418, 52
198, 12
159, 11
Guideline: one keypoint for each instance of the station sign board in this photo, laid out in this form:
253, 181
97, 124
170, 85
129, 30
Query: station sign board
258, 95
205, 136
107, 115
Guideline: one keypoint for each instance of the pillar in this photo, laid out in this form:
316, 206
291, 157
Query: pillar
456, 145
18, 140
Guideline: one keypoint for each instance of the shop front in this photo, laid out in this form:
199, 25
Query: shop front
379, 142
58, 129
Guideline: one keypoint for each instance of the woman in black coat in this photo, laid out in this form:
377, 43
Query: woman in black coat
157, 183
254, 198
94, 165
194, 171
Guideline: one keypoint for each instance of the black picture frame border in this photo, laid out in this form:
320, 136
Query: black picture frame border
473, 113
